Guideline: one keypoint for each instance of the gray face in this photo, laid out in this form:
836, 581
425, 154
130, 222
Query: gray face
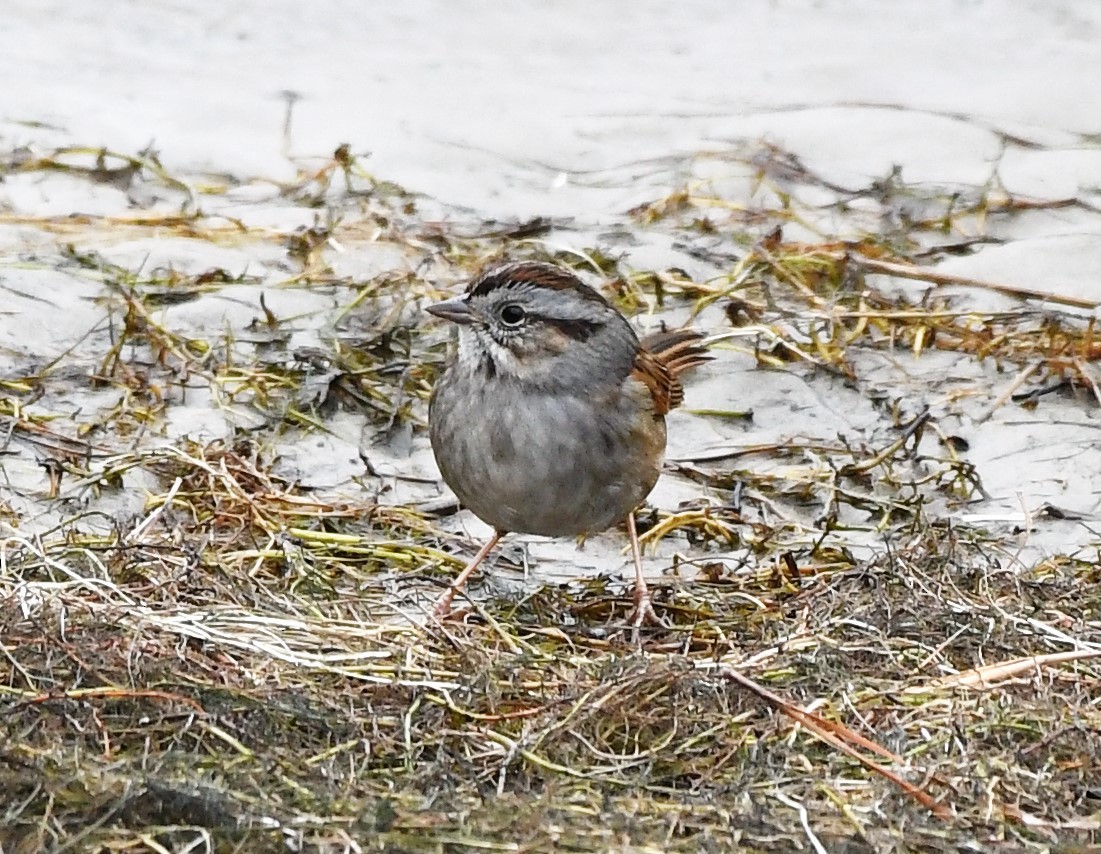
537, 325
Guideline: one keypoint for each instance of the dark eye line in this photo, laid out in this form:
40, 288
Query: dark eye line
577, 329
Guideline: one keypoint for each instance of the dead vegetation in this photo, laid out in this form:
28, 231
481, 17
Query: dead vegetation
244, 664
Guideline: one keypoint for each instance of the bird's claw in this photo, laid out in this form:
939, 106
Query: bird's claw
643, 614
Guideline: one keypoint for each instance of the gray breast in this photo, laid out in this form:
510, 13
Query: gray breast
550, 464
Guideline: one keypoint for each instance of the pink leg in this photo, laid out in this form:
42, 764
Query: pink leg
443, 604
644, 609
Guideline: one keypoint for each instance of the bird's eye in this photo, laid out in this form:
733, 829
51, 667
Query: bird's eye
512, 315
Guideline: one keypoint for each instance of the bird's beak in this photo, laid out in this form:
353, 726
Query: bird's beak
456, 310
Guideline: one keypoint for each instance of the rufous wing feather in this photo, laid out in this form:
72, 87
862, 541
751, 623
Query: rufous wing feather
662, 357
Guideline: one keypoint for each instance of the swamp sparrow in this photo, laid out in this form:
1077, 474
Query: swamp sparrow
550, 415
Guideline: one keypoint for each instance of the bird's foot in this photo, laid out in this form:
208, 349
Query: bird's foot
443, 609
643, 614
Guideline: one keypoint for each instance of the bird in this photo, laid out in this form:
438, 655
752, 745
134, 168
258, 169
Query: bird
549, 416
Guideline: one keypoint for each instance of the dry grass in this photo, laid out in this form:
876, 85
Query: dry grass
245, 664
